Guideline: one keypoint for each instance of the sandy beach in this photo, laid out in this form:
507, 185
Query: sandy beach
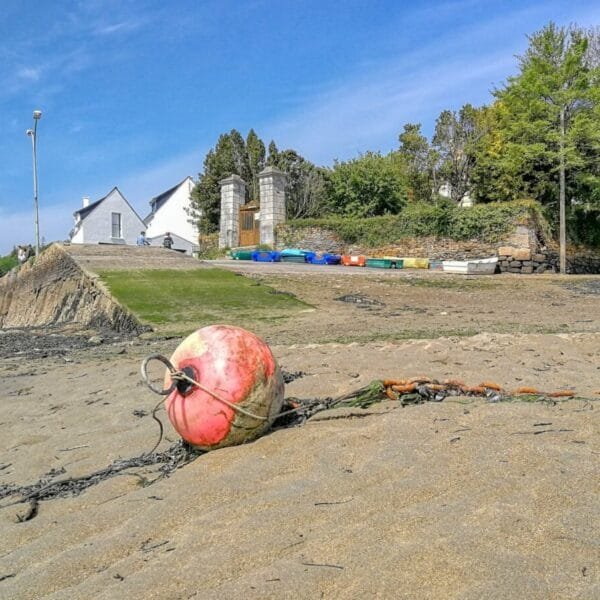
459, 499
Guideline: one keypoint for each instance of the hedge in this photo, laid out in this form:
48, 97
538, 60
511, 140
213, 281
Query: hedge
484, 222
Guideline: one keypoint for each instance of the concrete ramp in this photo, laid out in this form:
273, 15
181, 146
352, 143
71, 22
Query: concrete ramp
61, 286
110, 257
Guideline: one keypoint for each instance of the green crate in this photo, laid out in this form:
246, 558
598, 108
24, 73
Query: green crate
241, 255
379, 263
293, 259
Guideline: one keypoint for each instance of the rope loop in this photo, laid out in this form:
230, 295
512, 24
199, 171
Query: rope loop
172, 370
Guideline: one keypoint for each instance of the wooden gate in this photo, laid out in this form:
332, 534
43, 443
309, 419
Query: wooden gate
249, 225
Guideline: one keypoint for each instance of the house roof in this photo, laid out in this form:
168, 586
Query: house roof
159, 200
86, 210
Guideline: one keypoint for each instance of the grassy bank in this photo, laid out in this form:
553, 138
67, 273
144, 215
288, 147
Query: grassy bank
178, 302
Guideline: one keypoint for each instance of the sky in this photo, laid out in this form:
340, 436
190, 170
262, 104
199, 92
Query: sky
133, 93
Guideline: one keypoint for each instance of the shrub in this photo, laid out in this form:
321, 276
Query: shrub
485, 222
7, 263
583, 226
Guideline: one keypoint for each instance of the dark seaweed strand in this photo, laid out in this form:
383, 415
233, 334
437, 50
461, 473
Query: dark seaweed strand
176, 456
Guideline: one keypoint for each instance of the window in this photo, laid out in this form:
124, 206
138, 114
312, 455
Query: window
116, 225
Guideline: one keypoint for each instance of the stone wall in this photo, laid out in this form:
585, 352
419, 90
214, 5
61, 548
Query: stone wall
523, 251
323, 240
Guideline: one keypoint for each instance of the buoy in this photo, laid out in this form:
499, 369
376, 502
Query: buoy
240, 392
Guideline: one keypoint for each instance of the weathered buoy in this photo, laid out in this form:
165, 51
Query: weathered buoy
240, 393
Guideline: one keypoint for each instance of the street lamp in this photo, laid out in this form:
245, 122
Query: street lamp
32, 133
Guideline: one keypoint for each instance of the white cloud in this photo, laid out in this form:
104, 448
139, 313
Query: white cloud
29, 73
121, 27
370, 111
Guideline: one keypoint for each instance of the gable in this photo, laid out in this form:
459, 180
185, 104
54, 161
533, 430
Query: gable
159, 201
114, 197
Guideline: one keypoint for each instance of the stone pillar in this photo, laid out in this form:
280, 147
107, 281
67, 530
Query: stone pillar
233, 195
272, 203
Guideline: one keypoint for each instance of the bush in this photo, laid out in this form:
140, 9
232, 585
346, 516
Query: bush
583, 226
7, 263
485, 222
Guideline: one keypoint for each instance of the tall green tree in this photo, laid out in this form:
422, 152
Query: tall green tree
228, 157
421, 163
368, 186
255, 151
455, 138
550, 118
306, 190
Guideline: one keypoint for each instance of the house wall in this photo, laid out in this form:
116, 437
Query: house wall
172, 216
78, 237
97, 227
179, 243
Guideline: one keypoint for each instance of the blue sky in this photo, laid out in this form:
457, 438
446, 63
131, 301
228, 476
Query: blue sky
134, 93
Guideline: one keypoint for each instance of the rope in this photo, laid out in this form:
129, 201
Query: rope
177, 375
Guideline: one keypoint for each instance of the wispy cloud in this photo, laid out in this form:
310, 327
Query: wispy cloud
362, 114
120, 27
29, 73
367, 109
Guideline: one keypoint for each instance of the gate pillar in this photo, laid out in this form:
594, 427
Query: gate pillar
272, 203
233, 195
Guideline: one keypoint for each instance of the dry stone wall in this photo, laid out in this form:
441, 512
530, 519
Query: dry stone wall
524, 250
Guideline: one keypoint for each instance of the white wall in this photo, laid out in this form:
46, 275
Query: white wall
172, 215
97, 225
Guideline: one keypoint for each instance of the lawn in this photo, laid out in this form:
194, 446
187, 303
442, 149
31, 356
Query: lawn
178, 302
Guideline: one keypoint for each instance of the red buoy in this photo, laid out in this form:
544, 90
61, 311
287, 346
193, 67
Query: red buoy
240, 390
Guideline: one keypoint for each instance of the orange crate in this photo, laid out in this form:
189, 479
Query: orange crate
349, 260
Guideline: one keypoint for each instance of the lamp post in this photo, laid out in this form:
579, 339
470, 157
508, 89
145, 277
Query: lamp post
32, 133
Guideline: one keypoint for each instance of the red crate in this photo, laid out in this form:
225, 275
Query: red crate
350, 260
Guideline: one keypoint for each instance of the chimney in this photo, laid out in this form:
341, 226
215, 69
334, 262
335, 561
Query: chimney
86, 201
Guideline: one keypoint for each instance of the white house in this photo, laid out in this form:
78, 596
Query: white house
446, 192
110, 220
169, 212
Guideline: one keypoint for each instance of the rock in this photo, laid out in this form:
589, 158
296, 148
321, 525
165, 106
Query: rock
515, 263
506, 251
522, 254
527, 270
539, 257
96, 340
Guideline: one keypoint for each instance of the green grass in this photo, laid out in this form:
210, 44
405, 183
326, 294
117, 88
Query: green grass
450, 283
432, 333
179, 302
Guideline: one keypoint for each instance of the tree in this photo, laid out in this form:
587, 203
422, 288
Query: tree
305, 185
454, 140
551, 108
228, 157
421, 163
255, 151
367, 186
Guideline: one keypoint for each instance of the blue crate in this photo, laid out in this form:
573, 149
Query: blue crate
324, 259
266, 256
